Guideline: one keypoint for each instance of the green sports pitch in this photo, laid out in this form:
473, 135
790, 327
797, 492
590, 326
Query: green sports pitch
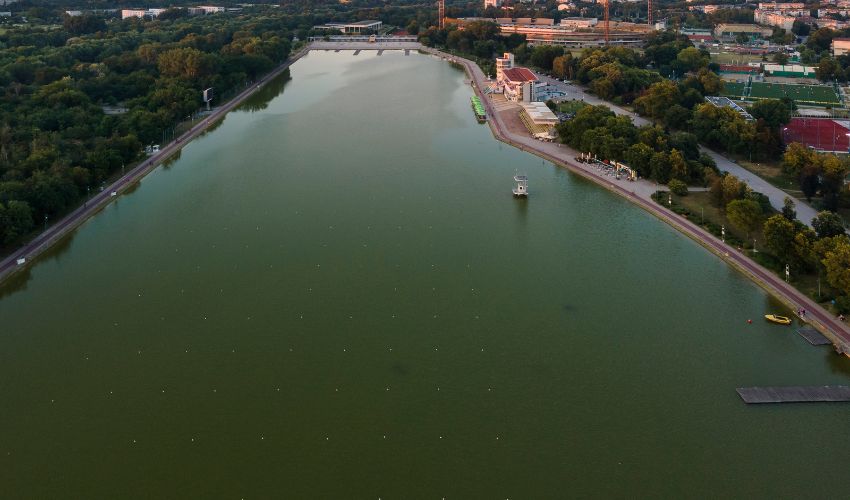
813, 94
735, 90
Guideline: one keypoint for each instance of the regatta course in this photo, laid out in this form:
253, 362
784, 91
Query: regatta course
281, 311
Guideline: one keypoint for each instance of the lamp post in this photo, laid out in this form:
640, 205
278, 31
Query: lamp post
45, 222
754, 246
723, 234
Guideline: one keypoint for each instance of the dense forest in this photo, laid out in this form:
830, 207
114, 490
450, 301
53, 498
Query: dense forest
60, 133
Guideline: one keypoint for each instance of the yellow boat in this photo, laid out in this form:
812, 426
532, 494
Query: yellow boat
773, 318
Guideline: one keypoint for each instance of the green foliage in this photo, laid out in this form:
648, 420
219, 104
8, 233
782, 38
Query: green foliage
789, 209
678, 187
836, 262
828, 224
56, 141
744, 214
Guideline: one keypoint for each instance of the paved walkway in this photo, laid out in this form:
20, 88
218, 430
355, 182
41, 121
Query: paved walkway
639, 193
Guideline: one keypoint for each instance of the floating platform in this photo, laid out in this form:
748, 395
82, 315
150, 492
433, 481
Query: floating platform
813, 336
381, 52
407, 52
356, 52
803, 394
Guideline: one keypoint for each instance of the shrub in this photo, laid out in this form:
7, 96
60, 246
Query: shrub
678, 187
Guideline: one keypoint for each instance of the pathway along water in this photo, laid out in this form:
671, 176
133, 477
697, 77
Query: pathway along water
334, 294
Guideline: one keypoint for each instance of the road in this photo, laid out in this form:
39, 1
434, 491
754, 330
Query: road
74, 219
805, 212
638, 193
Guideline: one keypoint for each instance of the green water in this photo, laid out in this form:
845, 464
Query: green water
334, 295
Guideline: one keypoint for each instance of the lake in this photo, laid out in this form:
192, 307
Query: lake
333, 294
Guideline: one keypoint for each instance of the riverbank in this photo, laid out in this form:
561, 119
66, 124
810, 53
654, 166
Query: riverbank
30, 251
838, 333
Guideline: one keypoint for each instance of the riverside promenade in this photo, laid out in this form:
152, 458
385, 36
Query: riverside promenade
640, 193
76, 218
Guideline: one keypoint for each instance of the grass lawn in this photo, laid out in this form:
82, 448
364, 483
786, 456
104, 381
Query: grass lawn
732, 58
772, 173
571, 106
701, 209
700, 206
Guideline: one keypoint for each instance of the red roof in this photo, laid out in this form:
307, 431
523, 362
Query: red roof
520, 75
701, 38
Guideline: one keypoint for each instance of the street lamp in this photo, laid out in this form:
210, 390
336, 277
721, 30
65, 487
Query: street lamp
723, 234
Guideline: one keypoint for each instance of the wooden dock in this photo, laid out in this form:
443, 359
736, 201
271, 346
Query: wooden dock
803, 394
813, 336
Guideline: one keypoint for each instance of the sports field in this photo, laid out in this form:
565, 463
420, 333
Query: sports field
733, 89
815, 94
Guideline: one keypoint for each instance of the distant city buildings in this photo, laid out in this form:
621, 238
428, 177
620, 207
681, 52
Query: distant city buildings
492, 3
730, 31
840, 46
579, 22
155, 12
352, 28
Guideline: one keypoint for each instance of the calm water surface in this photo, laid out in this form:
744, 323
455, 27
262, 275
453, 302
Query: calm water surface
334, 295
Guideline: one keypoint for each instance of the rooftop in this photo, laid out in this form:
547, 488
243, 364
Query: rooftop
520, 75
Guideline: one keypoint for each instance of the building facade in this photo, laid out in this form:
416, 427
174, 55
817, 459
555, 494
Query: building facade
518, 84
840, 46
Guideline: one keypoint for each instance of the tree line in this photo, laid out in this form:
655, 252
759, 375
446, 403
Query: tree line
78, 102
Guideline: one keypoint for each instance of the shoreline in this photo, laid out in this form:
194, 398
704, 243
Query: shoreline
77, 217
836, 332
817, 316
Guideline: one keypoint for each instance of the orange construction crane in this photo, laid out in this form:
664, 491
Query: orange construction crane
605, 5
649, 13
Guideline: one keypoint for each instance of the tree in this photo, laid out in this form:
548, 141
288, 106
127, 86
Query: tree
810, 179
837, 266
800, 28
638, 156
789, 209
780, 58
678, 187
86, 23
562, 66
796, 157
833, 172
678, 166
660, 166
744, 214
828, 224
733, 188
774, 112
827, 68
779, 237
658, 99
691, 59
